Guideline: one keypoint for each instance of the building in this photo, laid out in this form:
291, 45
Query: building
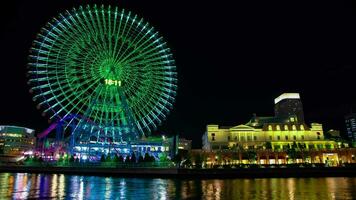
156, 146
278, 135
289, 106
350, 121
15, 141
334, 133
184, 144
273, 137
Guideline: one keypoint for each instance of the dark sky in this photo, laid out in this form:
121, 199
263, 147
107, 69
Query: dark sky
233, 59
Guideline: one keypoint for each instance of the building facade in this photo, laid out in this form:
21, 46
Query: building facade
277, 135
350, 121
15, 141
184, 144
289, 106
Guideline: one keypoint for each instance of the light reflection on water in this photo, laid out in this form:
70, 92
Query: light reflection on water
59, 186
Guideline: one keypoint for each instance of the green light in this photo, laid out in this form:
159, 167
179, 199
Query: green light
82, 52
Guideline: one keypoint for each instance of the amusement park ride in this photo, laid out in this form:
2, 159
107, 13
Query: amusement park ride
105, 76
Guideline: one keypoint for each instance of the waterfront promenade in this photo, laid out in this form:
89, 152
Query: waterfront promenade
175, 172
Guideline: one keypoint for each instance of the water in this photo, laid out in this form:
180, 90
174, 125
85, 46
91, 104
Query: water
59, 186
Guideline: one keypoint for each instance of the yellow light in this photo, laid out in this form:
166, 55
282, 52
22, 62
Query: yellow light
113, 82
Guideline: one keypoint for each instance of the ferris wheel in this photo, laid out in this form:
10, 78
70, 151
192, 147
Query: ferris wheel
106, 65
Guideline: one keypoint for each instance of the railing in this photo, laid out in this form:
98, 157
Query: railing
95, 164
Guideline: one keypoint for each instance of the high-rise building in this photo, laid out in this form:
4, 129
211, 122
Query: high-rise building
350, 121
288, 106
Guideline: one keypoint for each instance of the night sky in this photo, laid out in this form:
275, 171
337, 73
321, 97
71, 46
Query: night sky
233, 59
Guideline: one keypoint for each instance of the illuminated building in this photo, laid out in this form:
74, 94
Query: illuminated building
154, 146
185, 144
278, 134
15, 141
289, 106
350, 121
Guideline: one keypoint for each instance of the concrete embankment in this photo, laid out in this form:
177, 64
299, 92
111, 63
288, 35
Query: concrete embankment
190, 173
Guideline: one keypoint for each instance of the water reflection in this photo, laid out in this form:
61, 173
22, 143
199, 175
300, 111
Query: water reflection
59, 186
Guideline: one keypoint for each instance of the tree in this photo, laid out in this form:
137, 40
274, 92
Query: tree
251, 156
116, 158
121, 159
102, 158
133, 158
140, 159
71, 159
294, 145
147, 158
163, 157
198, 160
268, 145
292, 154
108, 158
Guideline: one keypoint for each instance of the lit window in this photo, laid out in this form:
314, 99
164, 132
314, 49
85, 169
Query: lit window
292, 119
278, 128
294, 127
269, 127
286, 127
302, 127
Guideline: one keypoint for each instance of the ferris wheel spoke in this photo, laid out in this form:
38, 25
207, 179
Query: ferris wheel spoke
146, 61
122, 36
82, 30
132, 42
68, 98
99, 26
141, 48
142, 54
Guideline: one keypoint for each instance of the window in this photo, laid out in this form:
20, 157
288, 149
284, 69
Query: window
269, 127
213, 136
286, 127
255, 138
278, 128
302, 127
235, 138
228, 138
294, 137
248, 138
278, 137
286, 137
270, 137
242, 138
302, 137
294, 127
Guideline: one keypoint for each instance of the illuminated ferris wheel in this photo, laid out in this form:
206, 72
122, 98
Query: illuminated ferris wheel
107, 67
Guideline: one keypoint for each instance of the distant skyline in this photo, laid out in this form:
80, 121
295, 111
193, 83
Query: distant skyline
233, 59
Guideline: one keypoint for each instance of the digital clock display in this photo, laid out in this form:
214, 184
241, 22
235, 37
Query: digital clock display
112, 82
